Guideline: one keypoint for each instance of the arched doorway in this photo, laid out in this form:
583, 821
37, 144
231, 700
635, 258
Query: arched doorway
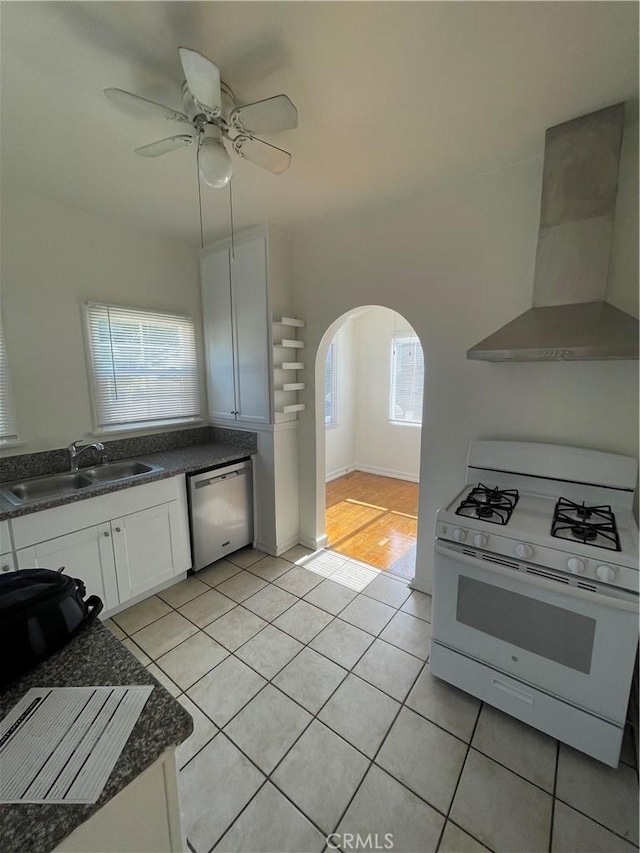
369, 389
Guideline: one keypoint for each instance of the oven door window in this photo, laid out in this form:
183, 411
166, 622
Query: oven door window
545, 629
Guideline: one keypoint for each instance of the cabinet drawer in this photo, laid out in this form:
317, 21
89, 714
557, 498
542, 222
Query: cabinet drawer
49, 523
573, 726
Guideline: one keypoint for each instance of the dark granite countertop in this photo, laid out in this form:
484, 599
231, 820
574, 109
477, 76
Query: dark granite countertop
182, 460
93, 658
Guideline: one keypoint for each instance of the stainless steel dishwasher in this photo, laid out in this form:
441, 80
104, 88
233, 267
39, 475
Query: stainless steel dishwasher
220, 512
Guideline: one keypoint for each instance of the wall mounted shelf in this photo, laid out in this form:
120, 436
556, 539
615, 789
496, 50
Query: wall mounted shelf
290, 344
286, 387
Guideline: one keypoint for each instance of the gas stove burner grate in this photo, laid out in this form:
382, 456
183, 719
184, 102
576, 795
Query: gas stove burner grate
591, 525
492, 505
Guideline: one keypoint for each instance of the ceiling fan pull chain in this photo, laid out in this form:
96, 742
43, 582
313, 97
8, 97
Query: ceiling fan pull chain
199, 195
233, 252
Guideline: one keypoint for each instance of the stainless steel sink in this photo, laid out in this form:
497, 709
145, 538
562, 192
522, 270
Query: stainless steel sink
45, 487
111, 471
54, 485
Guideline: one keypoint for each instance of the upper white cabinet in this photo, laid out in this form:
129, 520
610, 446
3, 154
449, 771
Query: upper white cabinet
218, 334
242, 291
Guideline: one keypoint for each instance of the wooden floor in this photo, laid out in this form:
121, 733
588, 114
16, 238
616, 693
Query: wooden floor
374, 519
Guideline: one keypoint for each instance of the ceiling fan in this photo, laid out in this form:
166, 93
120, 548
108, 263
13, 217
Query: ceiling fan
213, 118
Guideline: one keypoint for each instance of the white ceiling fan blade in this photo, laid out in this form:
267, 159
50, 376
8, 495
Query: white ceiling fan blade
203, 79
268, 116
262, 153
163, 146
144, 106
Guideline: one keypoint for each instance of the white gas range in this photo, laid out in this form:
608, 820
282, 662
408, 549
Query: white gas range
535, 593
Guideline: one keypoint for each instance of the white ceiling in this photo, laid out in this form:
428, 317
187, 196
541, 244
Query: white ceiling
394, 98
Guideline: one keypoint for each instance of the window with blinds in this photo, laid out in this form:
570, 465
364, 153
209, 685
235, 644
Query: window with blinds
143, 367
8, 424
407, 380
330, 387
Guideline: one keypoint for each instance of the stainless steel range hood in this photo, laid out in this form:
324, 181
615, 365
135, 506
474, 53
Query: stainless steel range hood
569, 318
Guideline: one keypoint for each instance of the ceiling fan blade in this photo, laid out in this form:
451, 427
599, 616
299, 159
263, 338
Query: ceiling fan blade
144, 106
268, 116
262, 153
203, 80
163, 146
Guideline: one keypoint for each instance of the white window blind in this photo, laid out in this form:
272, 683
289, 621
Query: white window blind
8, 425
331, 387
407, 380
143, 367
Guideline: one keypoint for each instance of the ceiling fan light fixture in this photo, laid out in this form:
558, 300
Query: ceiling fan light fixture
214, 164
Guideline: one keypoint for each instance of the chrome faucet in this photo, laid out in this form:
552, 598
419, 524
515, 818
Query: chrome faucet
76, 450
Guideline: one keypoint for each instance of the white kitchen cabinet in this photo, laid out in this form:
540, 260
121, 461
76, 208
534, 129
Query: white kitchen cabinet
87, 554
7, 563
122, 544
5, 537
242, 292
7, 560
144, 816
144, 549
254, 364
218, 334
236, 328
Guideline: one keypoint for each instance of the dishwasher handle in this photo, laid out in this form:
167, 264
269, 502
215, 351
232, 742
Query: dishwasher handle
202, 483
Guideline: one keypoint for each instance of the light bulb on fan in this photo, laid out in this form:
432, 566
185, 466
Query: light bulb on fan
214, 162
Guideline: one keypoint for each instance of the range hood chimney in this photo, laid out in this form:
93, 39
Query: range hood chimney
569, 319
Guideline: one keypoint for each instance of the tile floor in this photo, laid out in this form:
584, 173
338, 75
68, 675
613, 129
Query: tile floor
315, 713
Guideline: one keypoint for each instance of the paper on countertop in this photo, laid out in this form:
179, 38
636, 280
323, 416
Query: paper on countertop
60, 744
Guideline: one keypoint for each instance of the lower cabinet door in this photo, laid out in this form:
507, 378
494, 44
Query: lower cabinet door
86, 554
143, 544
7, 563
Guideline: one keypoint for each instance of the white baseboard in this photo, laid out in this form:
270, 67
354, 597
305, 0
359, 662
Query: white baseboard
369, 469
286, 546
110, 611
341, 472
421, 586
266, 548
276, 550
314, 544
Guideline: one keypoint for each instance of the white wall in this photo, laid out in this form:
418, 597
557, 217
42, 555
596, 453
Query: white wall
390, 449
458, 265
54, 258
341, 439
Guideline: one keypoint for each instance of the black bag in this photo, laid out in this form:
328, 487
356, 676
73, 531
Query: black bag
40, 611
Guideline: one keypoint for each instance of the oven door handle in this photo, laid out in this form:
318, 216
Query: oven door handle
536, 580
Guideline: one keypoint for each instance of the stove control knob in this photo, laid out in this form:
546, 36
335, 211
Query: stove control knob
575, 565
480, 539
524, 551
459, 534
606, 573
